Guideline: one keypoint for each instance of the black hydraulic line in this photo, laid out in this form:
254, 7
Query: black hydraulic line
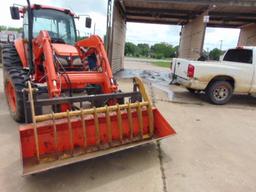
66, 77
30, 38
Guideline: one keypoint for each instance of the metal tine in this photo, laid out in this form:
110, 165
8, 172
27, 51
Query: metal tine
151, 120
84, 128
129, 113
34, 120
97, 130
55, 135
109, 126
61, 115
70, 133
139, 112
119, 119
25, 105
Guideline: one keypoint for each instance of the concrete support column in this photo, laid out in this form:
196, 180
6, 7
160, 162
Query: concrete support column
192, 38
118, 38
247, 35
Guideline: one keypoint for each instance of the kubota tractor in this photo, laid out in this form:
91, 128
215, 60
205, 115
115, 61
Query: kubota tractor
64, 93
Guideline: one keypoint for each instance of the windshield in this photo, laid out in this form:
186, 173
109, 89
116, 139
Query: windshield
59, 25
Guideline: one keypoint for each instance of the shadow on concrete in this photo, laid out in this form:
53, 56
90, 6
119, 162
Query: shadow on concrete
177, 94
87, 175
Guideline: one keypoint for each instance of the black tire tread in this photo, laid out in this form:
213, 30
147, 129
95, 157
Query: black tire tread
18, 79
10, 57
210, 88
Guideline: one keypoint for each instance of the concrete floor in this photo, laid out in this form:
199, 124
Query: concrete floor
214, 150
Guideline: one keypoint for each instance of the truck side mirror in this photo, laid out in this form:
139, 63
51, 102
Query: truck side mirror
88, 22
15, 13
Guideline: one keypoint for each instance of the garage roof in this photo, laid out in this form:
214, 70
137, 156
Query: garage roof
223, 13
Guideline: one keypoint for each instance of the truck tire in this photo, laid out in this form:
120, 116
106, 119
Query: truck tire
219, 92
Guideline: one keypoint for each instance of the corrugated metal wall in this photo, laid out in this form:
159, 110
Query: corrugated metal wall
118, 39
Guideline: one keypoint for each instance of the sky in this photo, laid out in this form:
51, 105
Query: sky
136, 32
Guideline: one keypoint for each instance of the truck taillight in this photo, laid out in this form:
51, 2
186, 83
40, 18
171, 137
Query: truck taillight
191, 71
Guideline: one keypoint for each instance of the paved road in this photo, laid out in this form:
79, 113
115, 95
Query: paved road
214, 150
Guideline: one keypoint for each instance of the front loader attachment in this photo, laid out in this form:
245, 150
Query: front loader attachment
58, 139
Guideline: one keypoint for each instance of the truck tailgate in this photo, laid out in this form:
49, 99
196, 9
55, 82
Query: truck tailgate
180, 67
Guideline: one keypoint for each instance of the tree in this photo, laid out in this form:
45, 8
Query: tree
3, 28
143, 49
162, 50
130, 49
215, 54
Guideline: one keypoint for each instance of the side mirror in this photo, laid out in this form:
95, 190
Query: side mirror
88, 22
15, 13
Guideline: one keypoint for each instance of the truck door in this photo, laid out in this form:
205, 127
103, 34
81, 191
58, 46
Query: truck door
253, 85
241, 60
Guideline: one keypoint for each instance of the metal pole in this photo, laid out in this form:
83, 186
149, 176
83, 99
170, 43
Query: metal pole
221, 43
109, 23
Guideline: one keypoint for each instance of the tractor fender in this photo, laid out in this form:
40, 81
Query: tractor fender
19, 45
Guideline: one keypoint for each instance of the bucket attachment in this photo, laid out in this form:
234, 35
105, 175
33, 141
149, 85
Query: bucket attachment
58, 139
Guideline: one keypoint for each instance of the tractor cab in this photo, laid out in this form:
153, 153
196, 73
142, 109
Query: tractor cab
60, 26
58, 22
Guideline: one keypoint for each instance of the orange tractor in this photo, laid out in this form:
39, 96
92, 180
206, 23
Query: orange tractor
64, 94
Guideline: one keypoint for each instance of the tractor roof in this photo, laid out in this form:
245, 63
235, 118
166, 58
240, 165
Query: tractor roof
36, 6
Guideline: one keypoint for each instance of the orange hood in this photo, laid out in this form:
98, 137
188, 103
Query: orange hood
65, 50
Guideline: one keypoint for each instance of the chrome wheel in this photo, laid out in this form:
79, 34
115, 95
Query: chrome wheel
220, 93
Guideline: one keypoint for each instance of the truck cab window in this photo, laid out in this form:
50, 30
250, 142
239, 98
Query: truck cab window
239, 55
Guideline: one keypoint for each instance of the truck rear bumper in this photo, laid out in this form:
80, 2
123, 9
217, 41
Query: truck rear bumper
188, 83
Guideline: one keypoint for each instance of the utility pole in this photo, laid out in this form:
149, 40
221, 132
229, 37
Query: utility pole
94, 29
221, 43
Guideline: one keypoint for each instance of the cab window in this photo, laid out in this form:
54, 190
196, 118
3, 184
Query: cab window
239, 56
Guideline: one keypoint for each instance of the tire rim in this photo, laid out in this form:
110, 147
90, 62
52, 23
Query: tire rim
11, 96
221, 93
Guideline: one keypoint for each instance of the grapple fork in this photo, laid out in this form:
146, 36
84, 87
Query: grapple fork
58, 139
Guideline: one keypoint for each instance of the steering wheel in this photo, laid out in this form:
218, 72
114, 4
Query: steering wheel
53, 34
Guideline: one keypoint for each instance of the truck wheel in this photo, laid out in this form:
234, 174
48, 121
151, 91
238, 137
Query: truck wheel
219, 92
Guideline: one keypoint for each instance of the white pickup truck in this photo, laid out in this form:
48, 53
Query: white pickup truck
234, 73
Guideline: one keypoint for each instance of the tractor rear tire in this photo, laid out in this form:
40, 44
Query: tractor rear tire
14, 83
10, 57
15, 78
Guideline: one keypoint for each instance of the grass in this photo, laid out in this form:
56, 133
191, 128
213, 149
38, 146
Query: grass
165, 64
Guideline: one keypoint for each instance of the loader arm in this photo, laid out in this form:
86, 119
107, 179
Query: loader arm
42, 46
95, 42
